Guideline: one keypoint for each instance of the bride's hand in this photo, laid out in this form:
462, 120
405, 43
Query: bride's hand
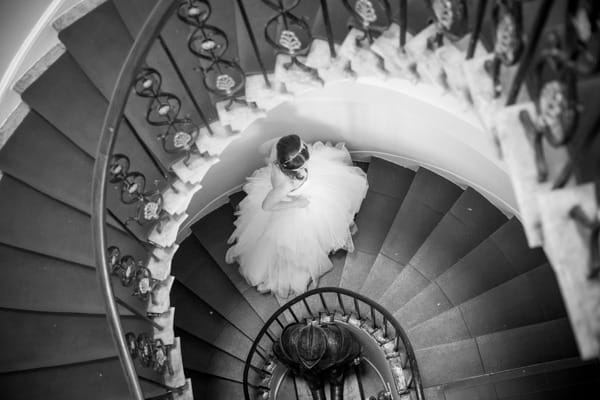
301, 201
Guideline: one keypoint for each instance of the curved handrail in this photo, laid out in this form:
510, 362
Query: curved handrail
152, 26
337, 290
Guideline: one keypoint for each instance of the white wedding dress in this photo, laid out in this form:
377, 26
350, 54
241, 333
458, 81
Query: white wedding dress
282, 251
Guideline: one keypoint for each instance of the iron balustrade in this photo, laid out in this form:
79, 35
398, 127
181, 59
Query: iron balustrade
357, 310
575, 53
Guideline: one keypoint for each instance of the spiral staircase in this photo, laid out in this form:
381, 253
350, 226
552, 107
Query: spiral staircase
488, 317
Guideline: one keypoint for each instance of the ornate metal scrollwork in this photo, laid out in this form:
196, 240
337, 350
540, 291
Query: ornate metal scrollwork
151, 353
133, 190
163, 110
507, 16
555, 93
451, 19
222, 77
131, 272
594, 227
372, 17
289, 34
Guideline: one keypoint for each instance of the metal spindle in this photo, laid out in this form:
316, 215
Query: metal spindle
253, 41
293, 314
257, 351
152, 156
328, 27
185, 85
361, 389
307, 307
324, 303
403, 22
138, 314
357, 308
373, 317
481, 8
123, 225
279, 322
270, 336
385, 327
341, 303
527, 58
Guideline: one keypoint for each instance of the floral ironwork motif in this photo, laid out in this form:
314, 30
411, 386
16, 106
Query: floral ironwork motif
132, 186
221, 76
508, 24
451, 18
131, 272
163, 110
290, 41
372, 17
151, 353
289, 34
557, 109
365, 9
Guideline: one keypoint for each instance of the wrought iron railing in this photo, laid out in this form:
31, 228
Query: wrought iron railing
331, 304
139, 203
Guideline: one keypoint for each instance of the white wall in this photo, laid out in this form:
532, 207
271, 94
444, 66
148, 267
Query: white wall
27, 34
413, 125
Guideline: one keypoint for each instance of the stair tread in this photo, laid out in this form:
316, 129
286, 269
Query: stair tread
388, 178
202, 357
54, 285
446, 327
356, 269
212, 232
407, 284
384, 271
206, 386
429, 197
34, 221
549, 381
192, 265
469, 222
449, 362
199, 319
96, 380
374, 220
430, 302
57, 339
527, 345
499, 258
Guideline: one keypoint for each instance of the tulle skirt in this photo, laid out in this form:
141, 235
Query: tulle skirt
282, 251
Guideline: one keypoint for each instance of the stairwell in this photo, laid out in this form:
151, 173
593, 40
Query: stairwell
484, 311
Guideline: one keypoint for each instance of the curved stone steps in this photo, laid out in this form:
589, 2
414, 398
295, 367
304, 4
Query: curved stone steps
99, 380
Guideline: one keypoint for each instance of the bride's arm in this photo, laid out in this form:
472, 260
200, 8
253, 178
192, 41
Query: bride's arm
278, 198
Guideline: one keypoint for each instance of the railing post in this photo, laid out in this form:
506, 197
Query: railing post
480, 15
403, 22
253, 41
526, 59
328, 27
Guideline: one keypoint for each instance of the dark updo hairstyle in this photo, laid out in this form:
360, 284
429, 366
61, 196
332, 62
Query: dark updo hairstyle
292, 153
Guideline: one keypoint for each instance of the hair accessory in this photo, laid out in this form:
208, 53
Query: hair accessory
296, 154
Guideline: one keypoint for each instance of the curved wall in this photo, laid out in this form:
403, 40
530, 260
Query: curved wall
409, 124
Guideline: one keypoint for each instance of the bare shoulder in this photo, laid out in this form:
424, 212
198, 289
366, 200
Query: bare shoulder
278, 178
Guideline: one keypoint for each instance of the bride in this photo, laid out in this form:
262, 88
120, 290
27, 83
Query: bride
298, 209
